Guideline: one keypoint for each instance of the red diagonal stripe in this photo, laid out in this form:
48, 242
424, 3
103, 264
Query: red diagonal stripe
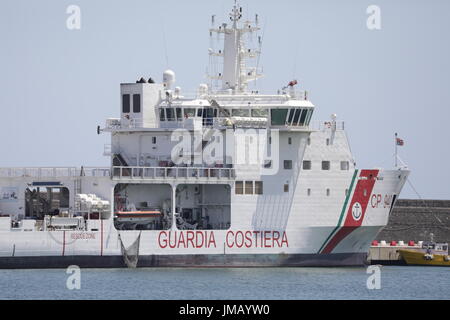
363, 191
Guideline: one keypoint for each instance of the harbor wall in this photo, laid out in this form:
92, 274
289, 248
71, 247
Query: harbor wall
418, 220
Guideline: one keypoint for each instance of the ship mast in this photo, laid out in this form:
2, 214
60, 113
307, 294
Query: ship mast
235, 74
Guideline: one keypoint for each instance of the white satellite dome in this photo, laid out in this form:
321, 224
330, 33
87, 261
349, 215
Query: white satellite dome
168, 78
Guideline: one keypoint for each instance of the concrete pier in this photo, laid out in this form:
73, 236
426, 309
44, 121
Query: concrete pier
411, 220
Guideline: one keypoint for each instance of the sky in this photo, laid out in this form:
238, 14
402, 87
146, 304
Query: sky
57, 84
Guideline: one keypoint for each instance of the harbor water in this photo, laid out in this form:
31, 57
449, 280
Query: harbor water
228, 283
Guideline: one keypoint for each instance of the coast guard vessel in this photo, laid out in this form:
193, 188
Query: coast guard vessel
224, 177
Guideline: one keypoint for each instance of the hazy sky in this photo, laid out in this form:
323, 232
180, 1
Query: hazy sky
58, 84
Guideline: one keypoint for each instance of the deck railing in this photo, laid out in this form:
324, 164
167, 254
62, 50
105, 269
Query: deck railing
172, 173
54, 172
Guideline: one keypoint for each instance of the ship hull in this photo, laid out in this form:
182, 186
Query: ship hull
193, 261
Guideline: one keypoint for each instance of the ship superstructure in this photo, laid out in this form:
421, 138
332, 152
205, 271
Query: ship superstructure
227, 177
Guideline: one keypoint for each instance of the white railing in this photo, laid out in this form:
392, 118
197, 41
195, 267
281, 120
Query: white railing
172, 173
54, 172
324, 125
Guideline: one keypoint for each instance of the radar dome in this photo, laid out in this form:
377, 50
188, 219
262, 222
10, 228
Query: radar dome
168, 78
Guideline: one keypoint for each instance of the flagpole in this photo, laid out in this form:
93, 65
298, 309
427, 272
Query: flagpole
395, 141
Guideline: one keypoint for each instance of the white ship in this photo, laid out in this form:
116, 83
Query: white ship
225, 177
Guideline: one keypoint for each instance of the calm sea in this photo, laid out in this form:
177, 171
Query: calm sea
265, 283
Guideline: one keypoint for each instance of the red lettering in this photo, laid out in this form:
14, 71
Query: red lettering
211, 240
199, 236
232, 234
181, 240
164, 243
239, 243
248, 239
190, 238
266, 238
276, 237
256, 233
284, 240
174, 244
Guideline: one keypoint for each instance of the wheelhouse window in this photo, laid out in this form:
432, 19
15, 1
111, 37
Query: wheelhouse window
189, 112
162, 116
278, 116
297, 116
303, 117
325, 165
136, 103
179, 114
126, 103
291, 116
259, 113
170, 114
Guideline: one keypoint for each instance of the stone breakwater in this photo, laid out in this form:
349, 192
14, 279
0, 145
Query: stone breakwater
418, 220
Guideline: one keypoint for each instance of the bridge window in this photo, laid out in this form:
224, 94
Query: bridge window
162, 116
308, 117
297, 115
189, 112
303, 117
259, 113
179, 114
325, 165
136, 103
170, 114
278, 116
126, 103
291, 116
199, 112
